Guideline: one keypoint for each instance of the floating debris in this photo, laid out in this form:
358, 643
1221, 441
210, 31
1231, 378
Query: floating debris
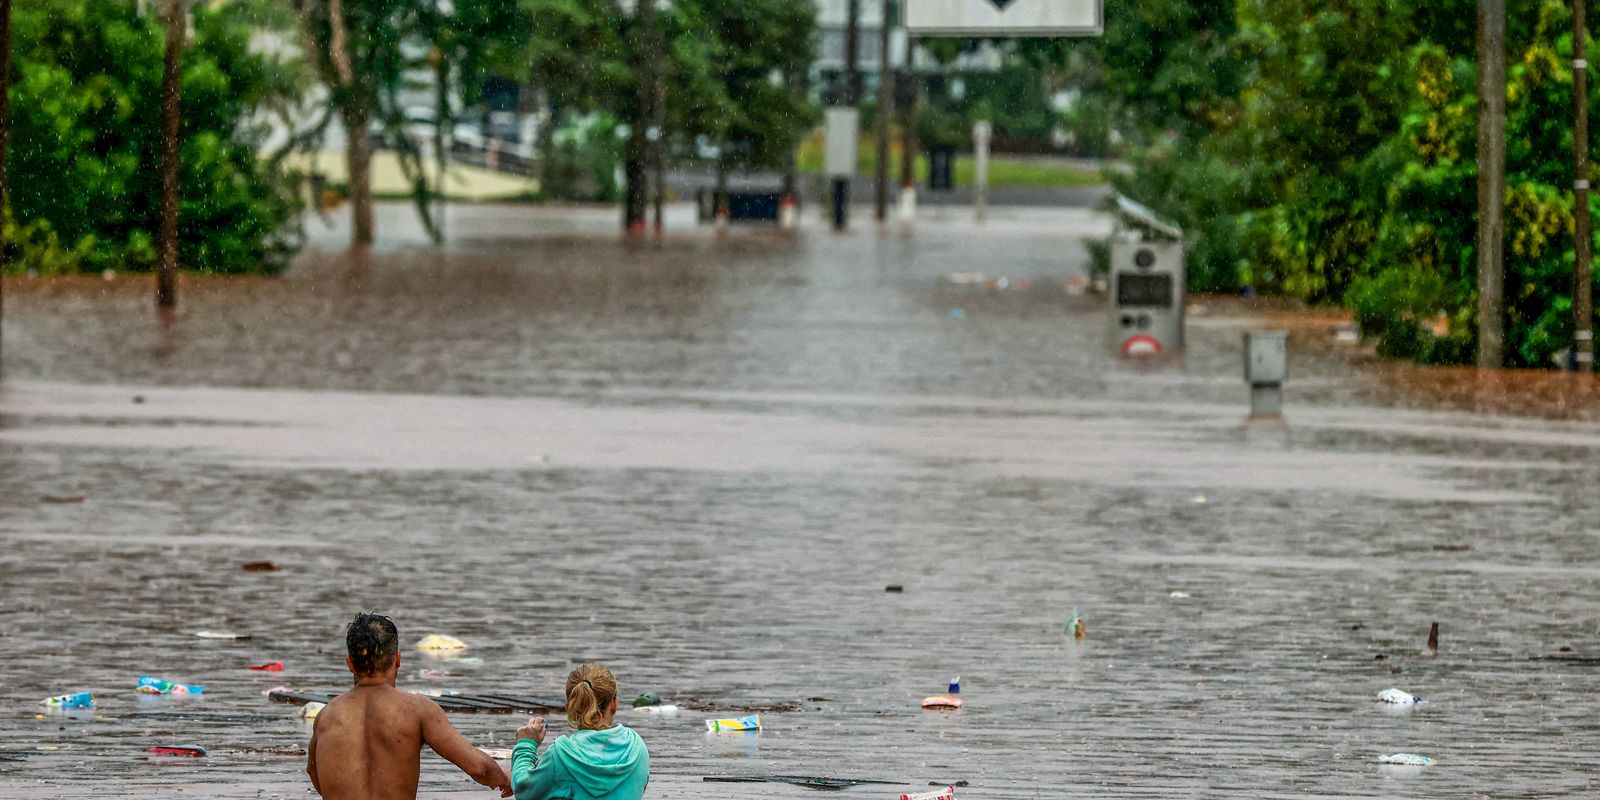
149, 685
274, 666
438, 643
62, 499
311, 710
798, 780
259, 566
68, 701
943, 702
1406, 760
750, 723
1433, 638
1399, 698
1076, 626
227, 635
178, 751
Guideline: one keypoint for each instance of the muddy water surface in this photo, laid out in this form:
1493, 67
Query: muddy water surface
703, 463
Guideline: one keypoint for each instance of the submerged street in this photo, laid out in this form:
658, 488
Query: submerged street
702, 462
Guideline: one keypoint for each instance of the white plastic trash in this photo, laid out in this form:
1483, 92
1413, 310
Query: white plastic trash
1406, 760
1399, 698
439, 643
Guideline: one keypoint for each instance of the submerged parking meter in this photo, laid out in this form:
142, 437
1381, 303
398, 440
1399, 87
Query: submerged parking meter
1146, 284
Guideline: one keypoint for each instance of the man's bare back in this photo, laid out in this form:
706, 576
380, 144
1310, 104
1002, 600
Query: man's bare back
366, 745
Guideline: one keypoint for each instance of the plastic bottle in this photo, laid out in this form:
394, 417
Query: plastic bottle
80, 700
149, 685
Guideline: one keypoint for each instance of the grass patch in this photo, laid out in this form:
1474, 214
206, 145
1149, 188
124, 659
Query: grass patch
1004, 171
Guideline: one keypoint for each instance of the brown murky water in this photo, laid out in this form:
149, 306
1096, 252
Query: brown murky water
702, 463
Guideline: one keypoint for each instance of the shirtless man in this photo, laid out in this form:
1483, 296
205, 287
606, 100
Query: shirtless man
367, 744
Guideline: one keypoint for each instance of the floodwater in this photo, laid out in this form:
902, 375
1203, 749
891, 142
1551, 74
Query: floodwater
702, 462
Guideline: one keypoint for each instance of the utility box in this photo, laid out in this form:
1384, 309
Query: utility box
1266, 367
1266, 357
1147, 283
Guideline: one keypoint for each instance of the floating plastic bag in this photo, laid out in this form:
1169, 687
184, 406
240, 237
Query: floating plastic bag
750, 723
80, 700
1399, 698
436, 643
275, 666
942, 701
947, 793
1406, 760
149, 685
311, 710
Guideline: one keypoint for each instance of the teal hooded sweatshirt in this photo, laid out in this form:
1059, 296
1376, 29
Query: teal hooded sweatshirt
612, 764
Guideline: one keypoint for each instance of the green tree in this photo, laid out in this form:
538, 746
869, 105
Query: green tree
727, 67
85, 113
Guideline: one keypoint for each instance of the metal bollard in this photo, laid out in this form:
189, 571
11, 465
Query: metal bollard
1266, 366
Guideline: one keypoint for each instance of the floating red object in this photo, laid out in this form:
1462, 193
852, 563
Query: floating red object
179, 750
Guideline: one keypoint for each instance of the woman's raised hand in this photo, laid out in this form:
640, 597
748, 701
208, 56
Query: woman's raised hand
533, 730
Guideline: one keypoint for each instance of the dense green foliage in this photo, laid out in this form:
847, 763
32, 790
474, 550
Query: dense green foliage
1326, 150
84, 191
733, 71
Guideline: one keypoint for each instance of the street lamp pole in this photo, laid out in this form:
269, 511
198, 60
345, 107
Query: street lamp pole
1583, 273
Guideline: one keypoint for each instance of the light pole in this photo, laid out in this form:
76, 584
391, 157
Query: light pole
1582, 271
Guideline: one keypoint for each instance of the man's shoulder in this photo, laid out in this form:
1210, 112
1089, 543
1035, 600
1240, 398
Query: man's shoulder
387, 697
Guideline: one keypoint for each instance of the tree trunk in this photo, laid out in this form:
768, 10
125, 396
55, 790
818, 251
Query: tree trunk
547, 145
1491, 183
5, 138
885, 109
358, 148
637, 198
358, 160
171, 91
634, 201
441, 156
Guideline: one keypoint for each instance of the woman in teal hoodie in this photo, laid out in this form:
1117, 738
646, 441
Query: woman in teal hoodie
601, 760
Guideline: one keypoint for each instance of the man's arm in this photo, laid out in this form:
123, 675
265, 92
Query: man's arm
445, 740
311, 756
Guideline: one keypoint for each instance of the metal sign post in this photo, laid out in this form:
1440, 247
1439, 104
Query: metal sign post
843, 132
982, 131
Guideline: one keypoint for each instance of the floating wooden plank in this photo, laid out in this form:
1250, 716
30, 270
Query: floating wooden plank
801, 780
493, 704
522, 703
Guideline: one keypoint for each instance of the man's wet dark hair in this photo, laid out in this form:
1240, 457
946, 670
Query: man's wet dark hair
373, 643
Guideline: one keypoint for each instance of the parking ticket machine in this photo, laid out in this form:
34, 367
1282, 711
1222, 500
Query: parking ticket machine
1146, 285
